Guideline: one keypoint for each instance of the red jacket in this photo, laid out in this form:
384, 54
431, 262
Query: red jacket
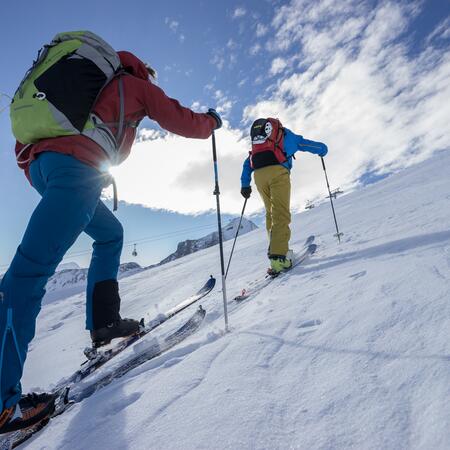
142, 98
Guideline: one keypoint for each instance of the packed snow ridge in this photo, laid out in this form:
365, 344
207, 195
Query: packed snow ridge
349, 350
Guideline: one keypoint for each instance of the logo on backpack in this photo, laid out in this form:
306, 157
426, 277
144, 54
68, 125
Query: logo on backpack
267, 143
59, 91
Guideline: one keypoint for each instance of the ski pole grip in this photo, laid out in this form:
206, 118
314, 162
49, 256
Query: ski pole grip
323, 163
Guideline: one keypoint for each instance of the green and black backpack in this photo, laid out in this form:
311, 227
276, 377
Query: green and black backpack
59, 91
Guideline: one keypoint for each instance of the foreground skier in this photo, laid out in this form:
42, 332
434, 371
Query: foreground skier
70, 173
273, 148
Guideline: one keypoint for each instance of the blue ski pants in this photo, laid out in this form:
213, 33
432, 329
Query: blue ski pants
70, 204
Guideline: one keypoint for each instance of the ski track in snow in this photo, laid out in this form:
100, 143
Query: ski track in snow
349, 350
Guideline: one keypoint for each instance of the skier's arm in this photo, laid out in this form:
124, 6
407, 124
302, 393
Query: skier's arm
174, 117
295, 142
246, 177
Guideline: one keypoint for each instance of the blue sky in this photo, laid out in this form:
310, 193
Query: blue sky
366, 77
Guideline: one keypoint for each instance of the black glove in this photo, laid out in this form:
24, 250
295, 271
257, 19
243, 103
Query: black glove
213, 113
246, 192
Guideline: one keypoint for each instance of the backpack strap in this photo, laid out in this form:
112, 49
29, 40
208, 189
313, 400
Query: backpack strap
115, 195
24, 161
121, 128
121, 125
278, 139
120, 134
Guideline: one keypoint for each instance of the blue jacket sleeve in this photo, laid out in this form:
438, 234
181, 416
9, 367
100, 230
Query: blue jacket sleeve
294, 142
246, 177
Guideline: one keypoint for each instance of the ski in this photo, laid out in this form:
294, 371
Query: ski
69, 395
309, 249
157, 348
98, 357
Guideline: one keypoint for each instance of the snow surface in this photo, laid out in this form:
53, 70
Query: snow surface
351, 350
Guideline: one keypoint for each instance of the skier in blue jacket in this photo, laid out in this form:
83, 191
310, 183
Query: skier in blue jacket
273, 148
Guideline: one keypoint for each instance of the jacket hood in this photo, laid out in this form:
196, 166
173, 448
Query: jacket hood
133, 65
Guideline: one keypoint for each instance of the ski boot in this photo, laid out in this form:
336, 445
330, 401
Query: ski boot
278, 264
117, 329
31, 410
107, 322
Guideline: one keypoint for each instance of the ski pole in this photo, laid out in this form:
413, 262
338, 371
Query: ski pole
219, 224
338, 234
235, 238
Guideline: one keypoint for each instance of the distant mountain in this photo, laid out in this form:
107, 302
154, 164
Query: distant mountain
194, 245
67, 266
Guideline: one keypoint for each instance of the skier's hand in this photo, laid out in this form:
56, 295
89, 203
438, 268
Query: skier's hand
324, 151
246, 192
215, 115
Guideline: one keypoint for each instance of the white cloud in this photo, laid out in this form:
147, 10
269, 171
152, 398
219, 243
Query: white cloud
224, 104
278, 65
258, 80
147, 134
174, 27
225, 107
221, 58
231, 44
254, 49
357, 88
218, 61
261, 30
239, 12
172, 24
177, 174
199, 107
442, 31
360, 91
242, 82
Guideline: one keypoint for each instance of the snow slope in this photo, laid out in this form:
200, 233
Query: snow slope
352, 350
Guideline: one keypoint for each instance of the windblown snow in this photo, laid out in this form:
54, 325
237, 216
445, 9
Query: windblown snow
349, 350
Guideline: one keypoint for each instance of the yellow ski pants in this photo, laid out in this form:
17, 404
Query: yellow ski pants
274, 186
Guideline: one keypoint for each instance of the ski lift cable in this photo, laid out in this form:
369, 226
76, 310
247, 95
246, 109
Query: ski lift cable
199, 227
145, 240
2, 94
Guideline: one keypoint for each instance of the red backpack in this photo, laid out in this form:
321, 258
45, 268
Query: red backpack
267, 143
